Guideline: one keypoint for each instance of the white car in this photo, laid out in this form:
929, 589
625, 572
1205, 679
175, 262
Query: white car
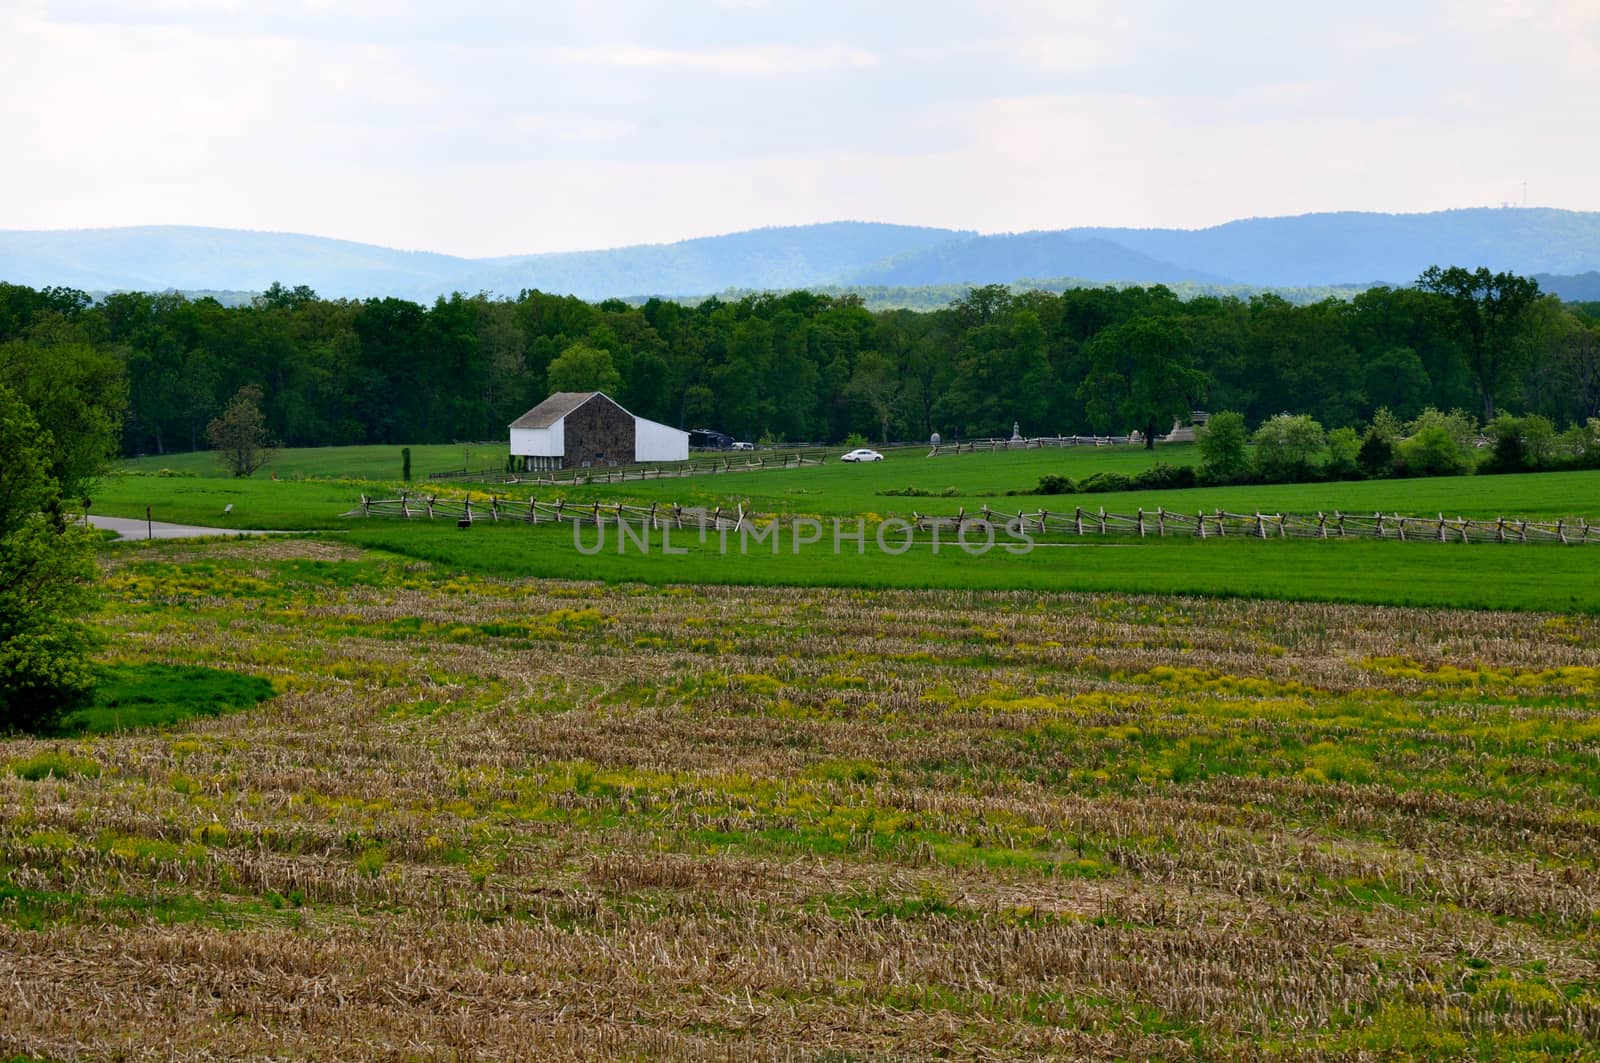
743, 446
862, 455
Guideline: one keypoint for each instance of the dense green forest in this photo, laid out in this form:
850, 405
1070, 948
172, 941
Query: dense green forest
802, 366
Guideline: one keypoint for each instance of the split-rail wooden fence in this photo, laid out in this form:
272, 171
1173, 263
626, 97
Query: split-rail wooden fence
1076, 522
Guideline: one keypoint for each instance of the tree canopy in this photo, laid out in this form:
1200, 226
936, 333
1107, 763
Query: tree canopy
801, 366
46, 568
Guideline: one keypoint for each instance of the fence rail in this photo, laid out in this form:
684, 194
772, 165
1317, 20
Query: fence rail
1036, 442
632, 473
1222, 524
532, 511
1159, 523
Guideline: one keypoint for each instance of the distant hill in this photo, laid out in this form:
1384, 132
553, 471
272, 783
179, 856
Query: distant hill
1357, 248
790, 257
1309, 251
1003, 259
157, 257
1583, 288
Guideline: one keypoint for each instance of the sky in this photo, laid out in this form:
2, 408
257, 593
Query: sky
515, 127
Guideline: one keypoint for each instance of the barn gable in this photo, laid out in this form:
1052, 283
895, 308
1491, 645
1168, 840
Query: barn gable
580, 429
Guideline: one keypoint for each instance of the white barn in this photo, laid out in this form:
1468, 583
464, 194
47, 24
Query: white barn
582, 429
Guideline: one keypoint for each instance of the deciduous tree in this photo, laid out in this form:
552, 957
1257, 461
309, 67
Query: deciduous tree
240, 434
1142, 376
46, 568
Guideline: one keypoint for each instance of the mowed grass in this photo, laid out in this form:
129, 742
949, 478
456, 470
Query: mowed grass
130, 696
375, 462
1480, 576
838, 489
537, 818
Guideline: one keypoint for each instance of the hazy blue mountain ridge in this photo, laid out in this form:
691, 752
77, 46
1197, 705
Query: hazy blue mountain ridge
1006, 258
176, 256
1358, 248
1308, 251
790, 257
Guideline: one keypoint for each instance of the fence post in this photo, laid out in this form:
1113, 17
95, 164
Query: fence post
404, 512
1283, 532
1400, 522
597, 514
1044, 515
1102, 520
365, 511
1200, 522
677, 515
1140, 521
652, 516
1161, 522
467, 511
1522, 530
533, 511
431, 501
1261, 528
1322, 524
716, 518
1077, 519
1441, 527
1559, 533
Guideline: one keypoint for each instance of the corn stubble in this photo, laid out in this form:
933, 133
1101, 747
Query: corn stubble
544, 819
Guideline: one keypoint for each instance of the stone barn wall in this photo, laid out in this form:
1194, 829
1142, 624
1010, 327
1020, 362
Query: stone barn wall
599, 432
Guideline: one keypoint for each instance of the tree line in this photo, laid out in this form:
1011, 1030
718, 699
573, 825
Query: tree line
802, 366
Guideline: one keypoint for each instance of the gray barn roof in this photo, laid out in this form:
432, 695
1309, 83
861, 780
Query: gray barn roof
556, 407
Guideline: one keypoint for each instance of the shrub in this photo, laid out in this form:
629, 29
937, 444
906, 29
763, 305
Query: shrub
1054, 484
855, 441
1434, 452
1161, 476
1582, 442
1376, 457
1344, 448
1289, 447
1222, 447
1102, 482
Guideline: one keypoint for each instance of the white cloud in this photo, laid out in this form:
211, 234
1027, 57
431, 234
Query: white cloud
505, 127
775, 59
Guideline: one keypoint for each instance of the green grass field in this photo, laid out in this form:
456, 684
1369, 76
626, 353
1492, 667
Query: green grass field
353, 463
1425, 574
1482, 576
850, 490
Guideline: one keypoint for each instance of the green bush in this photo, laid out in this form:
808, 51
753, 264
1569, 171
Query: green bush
1102, 482
1055, 484
1434, 452
1290, 448
1162, 476
1222, 448
1376, 458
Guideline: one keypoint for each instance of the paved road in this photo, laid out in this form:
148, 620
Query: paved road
133, 528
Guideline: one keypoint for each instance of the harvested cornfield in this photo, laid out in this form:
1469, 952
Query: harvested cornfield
502, 819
